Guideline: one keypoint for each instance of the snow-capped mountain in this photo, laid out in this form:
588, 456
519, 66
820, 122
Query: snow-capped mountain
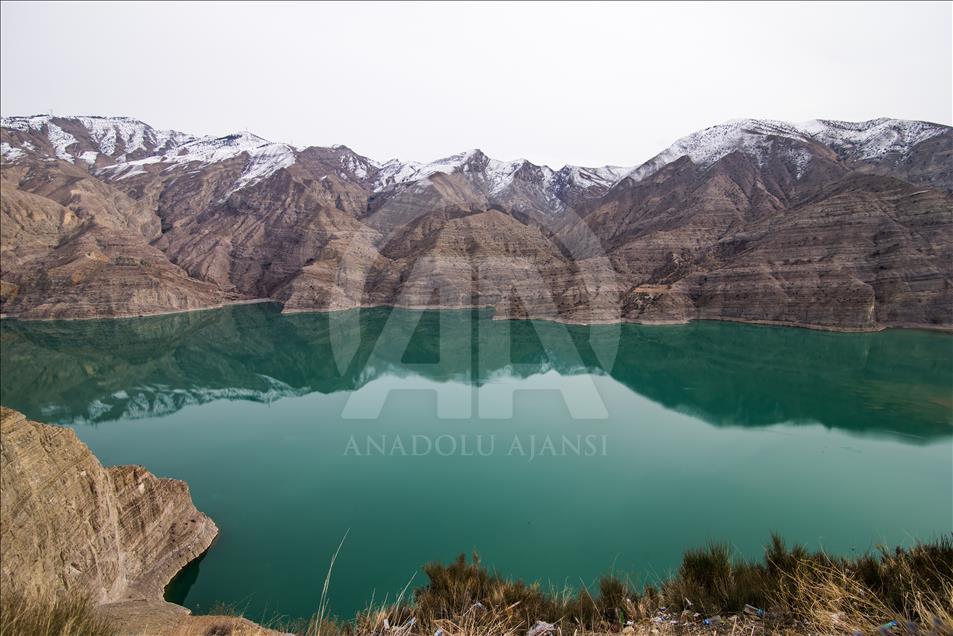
262, 157
122, 147
758, 138
519, 183
85, 138
872, 139
837, 224
497, 174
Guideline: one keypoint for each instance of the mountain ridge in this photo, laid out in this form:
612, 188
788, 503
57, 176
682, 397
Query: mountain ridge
395, 170
108, 216
862, 139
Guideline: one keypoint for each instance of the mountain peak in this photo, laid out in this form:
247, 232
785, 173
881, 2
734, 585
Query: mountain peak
755, 138
870, 139
88, 136
264, 157
120, 147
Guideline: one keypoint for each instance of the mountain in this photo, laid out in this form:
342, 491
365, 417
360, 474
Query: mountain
829, 224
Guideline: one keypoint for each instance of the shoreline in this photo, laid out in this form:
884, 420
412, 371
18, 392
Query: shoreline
948, 329
150, 314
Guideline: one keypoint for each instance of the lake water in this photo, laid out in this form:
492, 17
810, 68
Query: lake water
557, 452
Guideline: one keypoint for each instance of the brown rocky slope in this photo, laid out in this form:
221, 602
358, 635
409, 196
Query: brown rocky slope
117, 535
834, 225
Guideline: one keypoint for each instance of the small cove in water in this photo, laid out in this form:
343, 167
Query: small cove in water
558, 452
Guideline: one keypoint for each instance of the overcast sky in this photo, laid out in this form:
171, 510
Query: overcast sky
555, 83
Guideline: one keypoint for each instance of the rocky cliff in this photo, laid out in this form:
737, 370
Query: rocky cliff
836, 225
117, 535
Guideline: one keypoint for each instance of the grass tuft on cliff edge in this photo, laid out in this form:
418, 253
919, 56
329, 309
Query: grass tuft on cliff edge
21, 615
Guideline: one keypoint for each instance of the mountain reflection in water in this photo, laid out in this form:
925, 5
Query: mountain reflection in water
894, 382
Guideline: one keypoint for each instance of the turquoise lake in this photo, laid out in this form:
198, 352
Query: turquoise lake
557, 452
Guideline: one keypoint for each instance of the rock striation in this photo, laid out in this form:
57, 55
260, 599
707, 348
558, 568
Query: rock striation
826, 224
116, 535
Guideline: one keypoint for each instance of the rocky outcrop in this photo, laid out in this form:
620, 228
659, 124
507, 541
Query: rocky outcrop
834, 225
116, 535
158, 618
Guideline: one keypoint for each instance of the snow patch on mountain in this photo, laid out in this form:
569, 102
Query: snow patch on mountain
106, 133
498, 176
265, 157
58, 138
115, 134
354, 164
10, 153
605, 176
25, 124
110, 135
757, 138
89, 157
871, 139
215, 149
704, 147
395, 172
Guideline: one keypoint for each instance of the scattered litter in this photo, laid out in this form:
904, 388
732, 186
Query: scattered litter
751, 610
542, 628
406, 627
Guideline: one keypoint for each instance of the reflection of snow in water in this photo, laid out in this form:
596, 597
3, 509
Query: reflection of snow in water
160, 399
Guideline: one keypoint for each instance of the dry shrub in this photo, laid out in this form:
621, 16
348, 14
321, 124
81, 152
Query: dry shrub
906, 591
22, 614
790, 591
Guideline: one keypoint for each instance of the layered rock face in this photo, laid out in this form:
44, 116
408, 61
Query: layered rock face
116, 535
840, 225
68, 523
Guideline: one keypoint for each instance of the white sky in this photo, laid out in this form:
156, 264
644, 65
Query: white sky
555, 83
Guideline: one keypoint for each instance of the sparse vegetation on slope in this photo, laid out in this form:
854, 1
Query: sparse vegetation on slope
792, 590
22, 615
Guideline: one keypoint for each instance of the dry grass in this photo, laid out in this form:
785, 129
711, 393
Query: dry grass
790, 591
911, 591
22, 615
